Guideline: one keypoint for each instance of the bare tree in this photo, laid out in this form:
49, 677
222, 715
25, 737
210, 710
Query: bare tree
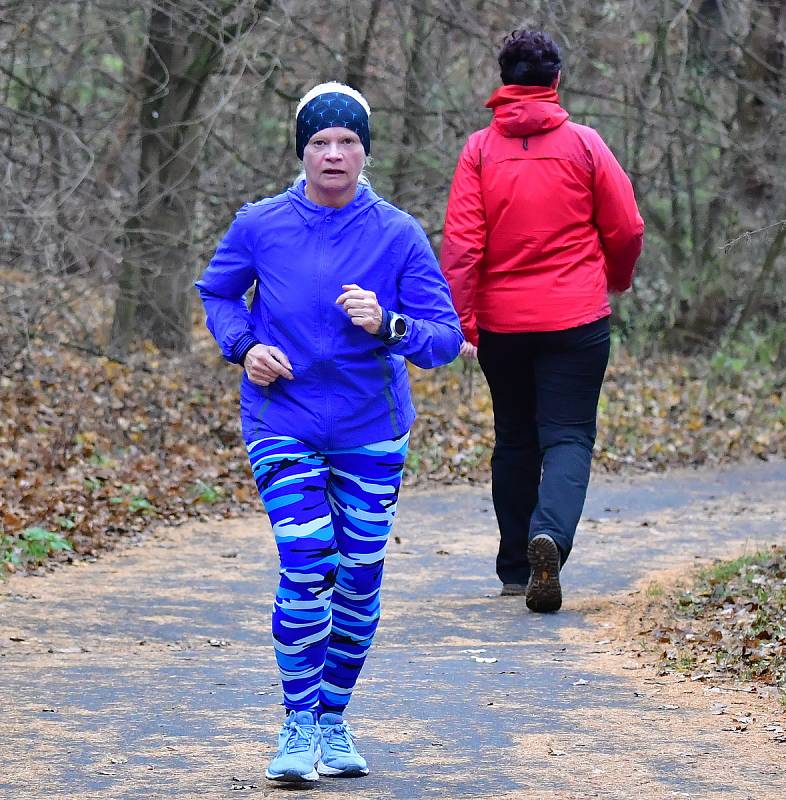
186, 44
413, 106
359, 39
131, 132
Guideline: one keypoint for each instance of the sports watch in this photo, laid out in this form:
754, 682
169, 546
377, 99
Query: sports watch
393, 328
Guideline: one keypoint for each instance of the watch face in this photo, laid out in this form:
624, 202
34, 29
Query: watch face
399, 327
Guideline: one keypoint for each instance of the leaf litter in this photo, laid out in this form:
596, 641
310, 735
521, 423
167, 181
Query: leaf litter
730, 622
93, 451
721, 629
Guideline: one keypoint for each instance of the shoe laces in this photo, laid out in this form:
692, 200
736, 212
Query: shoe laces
300, 737
338, 737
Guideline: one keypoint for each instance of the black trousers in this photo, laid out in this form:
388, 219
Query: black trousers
544, 389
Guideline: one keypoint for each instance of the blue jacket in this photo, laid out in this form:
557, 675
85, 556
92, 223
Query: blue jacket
350, 388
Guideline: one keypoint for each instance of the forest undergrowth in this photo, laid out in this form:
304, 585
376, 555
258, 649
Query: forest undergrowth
721, 626
94, 450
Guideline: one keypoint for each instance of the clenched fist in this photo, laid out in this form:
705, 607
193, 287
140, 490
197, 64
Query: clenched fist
265, 364
361, 307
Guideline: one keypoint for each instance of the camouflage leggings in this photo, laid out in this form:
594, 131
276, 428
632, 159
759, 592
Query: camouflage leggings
331, 514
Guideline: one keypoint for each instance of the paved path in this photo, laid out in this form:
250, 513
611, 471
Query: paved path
149, 673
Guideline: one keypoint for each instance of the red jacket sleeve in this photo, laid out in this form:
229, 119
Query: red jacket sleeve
464, 242
616, 217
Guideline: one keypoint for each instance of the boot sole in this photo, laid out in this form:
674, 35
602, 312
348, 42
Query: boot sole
544, 593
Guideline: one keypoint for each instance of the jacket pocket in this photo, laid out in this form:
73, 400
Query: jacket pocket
388, 370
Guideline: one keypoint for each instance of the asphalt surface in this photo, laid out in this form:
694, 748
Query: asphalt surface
149, 674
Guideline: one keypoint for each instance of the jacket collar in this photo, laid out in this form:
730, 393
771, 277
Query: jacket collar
312, 214
525, 110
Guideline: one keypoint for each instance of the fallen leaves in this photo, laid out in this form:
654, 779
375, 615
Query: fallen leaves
653, 414
238, 784
732, 623
94, 451
722, 629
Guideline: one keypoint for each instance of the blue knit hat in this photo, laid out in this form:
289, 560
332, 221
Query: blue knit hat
332, 105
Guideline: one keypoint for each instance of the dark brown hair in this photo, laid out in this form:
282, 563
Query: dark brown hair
529, 58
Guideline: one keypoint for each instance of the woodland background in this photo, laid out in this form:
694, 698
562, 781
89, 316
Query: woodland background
131, 132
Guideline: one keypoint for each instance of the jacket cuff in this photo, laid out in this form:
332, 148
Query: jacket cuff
384, 329
241, 347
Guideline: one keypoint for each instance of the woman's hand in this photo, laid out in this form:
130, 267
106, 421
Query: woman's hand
265, 364
468, 350
362, 307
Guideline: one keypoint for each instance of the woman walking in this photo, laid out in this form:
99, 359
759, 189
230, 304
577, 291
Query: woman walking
347, 288
541, 224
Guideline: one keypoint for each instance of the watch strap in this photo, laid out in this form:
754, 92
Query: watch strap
386, 332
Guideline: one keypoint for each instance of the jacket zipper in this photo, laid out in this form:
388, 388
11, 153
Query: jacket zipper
320, 333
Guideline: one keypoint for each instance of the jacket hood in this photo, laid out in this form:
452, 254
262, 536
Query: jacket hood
525, 110
311, 213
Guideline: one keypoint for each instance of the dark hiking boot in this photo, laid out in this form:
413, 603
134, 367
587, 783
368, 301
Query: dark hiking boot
513, 590
544, 592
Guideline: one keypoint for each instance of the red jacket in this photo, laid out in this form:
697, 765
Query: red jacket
541, 222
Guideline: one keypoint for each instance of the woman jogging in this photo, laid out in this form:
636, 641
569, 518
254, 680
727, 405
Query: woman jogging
347, 288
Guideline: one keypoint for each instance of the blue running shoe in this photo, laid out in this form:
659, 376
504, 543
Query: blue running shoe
340, 757
298, 750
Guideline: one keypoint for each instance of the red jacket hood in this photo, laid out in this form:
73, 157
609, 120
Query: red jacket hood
525, 110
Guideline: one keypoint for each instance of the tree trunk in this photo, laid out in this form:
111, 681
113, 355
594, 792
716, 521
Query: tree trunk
358, 46
156, 283
408, 164
760, 75
155, 298
760, 284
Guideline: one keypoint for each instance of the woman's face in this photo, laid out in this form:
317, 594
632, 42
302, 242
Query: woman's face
333, 159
